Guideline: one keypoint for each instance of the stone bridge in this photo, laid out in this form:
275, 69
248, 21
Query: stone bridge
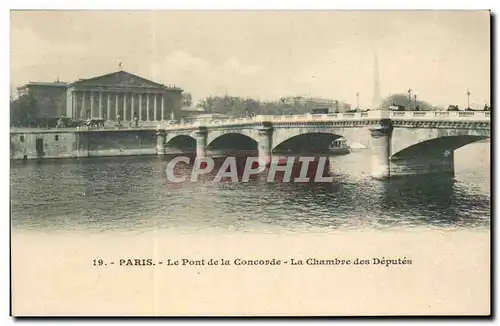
409, 142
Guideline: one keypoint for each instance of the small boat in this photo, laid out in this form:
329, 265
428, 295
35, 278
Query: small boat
339, 147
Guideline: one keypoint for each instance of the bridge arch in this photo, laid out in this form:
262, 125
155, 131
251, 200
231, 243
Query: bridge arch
232, 140
283, 138
407, 143
311, 141
437, 146
181, 141
248, 132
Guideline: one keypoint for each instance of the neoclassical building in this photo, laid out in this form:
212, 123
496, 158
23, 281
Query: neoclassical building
119, 94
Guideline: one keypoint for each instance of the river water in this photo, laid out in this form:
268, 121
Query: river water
133, 194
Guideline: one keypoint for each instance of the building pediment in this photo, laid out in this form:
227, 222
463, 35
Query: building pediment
119, 79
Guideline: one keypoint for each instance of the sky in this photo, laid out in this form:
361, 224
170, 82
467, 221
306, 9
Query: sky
264, 54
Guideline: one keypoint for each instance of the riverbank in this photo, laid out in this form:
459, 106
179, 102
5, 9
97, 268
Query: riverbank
36, 144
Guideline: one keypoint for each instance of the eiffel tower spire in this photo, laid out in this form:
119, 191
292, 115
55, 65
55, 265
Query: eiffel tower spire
377, 97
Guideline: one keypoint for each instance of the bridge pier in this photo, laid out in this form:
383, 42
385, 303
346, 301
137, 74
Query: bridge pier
161, 136
201, 142
381, 149
265, 142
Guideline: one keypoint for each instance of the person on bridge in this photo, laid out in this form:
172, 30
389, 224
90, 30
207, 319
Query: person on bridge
118, 120
60, 123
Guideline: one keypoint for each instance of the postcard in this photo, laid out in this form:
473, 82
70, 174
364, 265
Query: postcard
250, 163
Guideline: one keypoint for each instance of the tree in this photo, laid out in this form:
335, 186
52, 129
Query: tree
402, 99
203, 105
24, 111
237, 106
252, 107
207, 104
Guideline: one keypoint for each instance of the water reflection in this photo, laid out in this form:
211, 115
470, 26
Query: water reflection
246, 168
133, 193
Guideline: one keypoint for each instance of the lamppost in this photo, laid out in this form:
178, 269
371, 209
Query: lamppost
414, 101
468, 99
409, 98
357, 100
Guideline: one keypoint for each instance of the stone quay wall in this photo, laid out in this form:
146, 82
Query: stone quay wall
71, 143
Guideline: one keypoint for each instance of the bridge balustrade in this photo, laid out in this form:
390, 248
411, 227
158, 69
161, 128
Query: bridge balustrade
441, 115
426, 115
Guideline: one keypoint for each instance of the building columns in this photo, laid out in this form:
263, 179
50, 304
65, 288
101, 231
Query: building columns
140, 107
108, 107
155, 98
83, 113
92, 113
124, 117
77, 106
132, 111
116, 106
162, 107
97, 103
100, 105
73, 103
